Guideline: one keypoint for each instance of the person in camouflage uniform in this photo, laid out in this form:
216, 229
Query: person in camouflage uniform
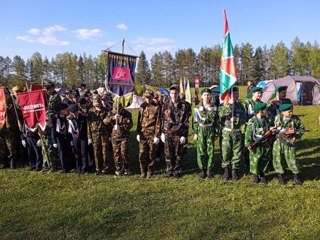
257, 126
290, 130
8, 132
120, 122
175, 117
148, 133
232, 116
98, 135
205, 127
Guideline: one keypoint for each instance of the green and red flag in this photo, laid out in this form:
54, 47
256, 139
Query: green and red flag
228, 71
197, 86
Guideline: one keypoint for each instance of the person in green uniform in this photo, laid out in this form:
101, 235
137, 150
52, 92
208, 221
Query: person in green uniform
205, 125
290, 130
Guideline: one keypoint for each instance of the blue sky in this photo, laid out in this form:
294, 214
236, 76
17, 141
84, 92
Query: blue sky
52, 27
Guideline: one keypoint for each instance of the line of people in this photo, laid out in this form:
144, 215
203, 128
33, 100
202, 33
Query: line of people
81, 126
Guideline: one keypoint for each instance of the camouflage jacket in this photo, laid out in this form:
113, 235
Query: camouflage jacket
53, 101
175, 118
248, 106
225, 114
204, 117
293, 123
273, 109
95, 122
255, 130
149, 121
125, 123
11, 121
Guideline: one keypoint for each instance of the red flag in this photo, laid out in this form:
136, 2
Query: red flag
2, 107
33, 109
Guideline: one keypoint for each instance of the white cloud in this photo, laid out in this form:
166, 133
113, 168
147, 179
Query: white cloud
160, 49
122, 26
87, 33
44, 36
152, 41
109, 44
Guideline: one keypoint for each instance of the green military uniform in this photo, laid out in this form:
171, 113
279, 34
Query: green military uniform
205, 125
148, 134
255, 129
99, 133
120, 123
283, 148
231, 136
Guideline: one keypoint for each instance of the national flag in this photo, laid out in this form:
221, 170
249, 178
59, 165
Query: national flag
228, 72
33, 109
181, 86
197, 86
2, 107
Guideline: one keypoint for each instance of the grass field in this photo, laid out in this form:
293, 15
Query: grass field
69, 206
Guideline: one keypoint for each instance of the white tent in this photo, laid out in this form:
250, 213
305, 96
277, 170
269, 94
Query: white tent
136, 102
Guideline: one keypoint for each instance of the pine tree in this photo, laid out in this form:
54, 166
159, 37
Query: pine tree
143, 74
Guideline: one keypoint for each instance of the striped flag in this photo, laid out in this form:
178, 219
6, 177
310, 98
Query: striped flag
228, 72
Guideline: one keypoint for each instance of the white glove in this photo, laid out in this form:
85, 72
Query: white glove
39, 144
24, 144
182, 140
55, 145
156, 140
89, 141
163, 137
195, 137
71, 143
116, 117
138, 138
116, 127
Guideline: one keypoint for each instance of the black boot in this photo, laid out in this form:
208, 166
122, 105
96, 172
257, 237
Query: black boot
281, 179
255, 179
263, 179
296, 180
226, 174
209, 174
235, 176
203, 174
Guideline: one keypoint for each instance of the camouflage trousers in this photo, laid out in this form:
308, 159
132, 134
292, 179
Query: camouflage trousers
173, 151
121, 154
9, 142
259, 161
100, 142
147, 154
49, 153
205, 148
231, 148
284, 154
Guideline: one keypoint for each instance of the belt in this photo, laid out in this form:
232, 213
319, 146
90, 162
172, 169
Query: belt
205, 125
231, 130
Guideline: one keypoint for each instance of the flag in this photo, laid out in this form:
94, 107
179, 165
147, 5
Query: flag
188, 92
121, 73
197, 86
2, 107
228, 72
181, 86
33, 109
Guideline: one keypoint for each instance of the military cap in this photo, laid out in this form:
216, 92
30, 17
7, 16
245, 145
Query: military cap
259, 106
73, 108
256, 89
49, 85
234, 89
61, 106
82, 100
148, 94
249, 96
285, 107
207, 90
280, 88
17, 89
174, 87
75, 93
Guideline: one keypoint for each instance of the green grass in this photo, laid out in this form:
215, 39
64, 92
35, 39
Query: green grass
56, 206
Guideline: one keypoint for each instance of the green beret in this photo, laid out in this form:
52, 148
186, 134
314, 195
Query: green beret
280, 88
256, 89
259, 106
285, 107
205, 90
249, 96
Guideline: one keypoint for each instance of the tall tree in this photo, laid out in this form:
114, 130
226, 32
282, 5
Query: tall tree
143, 74
259, 65
247, 63
156, 69
300, 53
281, 60
19, 68
168, 68
315, 60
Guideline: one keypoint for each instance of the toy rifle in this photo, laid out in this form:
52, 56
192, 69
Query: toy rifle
268, 136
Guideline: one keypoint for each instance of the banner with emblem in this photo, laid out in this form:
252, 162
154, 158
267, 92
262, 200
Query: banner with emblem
33, 109
197, 86
121, 73
2, 107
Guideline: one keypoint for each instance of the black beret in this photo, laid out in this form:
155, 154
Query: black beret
61, 106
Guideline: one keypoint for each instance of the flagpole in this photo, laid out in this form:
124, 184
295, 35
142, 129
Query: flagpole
232, 113
118, 102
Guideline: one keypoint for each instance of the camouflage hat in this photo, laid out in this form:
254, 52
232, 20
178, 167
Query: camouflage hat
285, 107
280, 88
174, 87
259, 106
148, 94
205, 90
256, 89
